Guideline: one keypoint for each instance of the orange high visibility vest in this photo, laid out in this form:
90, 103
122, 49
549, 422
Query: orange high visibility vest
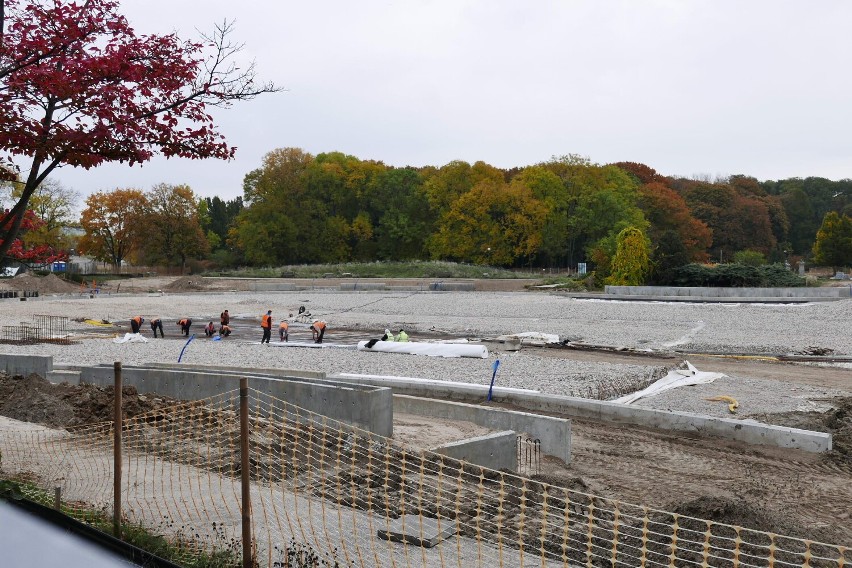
318, 325
283, 325
266, 321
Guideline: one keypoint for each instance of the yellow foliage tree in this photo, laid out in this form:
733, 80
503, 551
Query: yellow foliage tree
494, 223
631, 262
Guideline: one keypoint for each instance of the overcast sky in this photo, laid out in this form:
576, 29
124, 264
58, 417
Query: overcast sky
715, 87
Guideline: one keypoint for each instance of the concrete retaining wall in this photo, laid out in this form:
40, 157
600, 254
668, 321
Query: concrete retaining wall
493, 451
707, 292
361, 286
452, 286
289, 373
603, 411
554, 433
26, 364
729, 428
369, 408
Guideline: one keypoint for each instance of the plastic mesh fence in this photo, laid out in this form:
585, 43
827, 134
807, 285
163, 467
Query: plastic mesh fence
332, 489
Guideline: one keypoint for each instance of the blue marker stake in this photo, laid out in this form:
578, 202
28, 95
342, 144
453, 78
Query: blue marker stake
493, 376
191, 337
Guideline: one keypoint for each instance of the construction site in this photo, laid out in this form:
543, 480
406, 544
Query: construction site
515, 427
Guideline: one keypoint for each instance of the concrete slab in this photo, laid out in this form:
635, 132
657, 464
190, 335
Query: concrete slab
419, 531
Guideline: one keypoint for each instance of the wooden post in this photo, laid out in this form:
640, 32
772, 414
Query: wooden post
245, 473
57, 498
116, 452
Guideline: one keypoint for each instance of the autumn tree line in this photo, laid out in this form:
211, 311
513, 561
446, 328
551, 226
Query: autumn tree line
626, 221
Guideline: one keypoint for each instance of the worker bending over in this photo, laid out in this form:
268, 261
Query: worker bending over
136, 323
156, 324
209, 329
318, 330
283, 328
185, 324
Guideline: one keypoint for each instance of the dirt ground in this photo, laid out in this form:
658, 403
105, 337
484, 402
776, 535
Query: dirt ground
778, 490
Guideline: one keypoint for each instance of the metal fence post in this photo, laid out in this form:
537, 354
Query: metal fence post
245, 476
116, 451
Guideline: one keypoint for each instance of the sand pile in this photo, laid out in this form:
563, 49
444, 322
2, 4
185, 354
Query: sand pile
50, 284
185, 284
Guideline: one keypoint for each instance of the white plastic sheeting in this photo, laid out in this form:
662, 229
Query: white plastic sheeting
131, 337
676, 378
430, 349
531, 337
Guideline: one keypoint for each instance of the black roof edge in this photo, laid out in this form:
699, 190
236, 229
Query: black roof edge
90, 533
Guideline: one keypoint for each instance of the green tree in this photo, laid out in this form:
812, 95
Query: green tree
277, 213
833, 246
173, 230
631, 263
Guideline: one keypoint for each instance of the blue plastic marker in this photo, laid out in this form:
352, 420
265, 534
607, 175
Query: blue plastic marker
191, 337
493, 376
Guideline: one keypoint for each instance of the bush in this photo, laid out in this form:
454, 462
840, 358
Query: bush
749, 258
736, 276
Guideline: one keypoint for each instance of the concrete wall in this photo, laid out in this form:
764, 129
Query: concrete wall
554, 433
26, 364
452, 286
493, 451
729, 428
603, 411
291, 373
369, 408
707, 292
361, 286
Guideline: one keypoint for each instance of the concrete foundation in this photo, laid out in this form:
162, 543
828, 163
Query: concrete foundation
554, 433
26, 364
493, 451
369, 408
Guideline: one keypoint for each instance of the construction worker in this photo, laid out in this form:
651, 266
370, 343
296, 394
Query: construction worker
283, 328
209, 329
402, 335
225, 318
136, 323
224, 330
266, 324
318, 330
185, 324
156, 324
388, 336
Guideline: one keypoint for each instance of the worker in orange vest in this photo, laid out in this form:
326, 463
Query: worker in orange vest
318, 330
185, 324
136, 323
283, 329
266, 324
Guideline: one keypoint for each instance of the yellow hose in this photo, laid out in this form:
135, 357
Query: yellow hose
732, 407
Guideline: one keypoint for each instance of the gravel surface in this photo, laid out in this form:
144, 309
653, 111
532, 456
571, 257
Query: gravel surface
751, 328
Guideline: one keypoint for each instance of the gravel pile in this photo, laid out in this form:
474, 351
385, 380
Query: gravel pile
752, 328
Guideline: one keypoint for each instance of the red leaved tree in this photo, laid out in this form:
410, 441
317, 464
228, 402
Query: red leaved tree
39, 254
79, 87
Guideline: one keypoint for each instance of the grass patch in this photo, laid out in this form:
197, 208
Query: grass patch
185, 546
412, 269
